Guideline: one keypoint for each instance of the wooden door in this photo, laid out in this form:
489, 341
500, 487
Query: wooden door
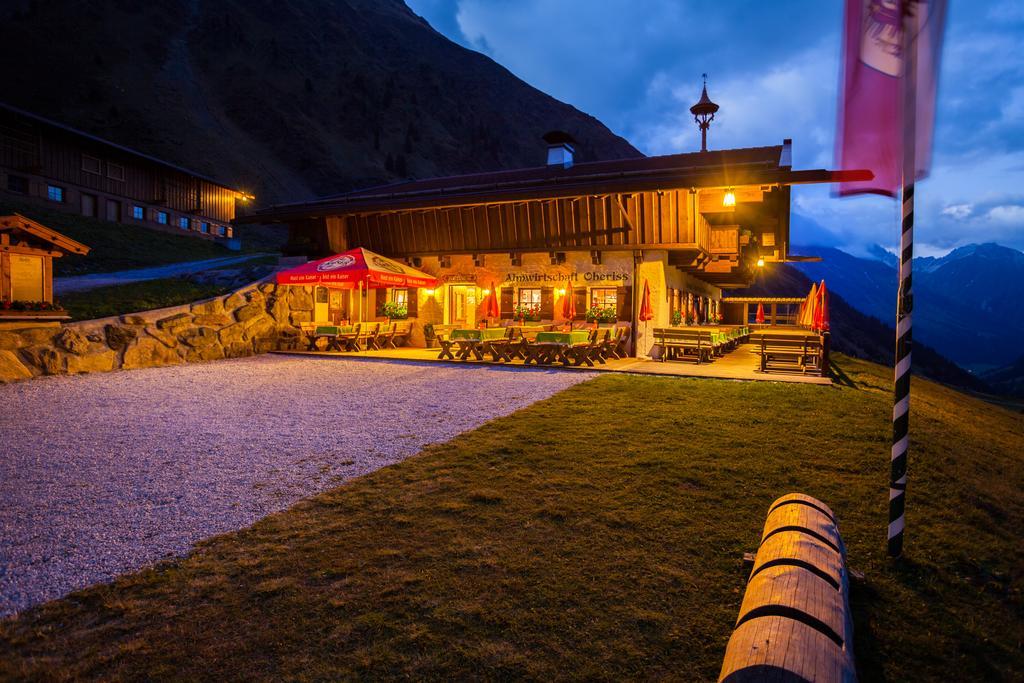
88, 204
458, 307
113, 210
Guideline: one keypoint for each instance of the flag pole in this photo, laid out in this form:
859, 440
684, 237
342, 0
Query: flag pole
904, 298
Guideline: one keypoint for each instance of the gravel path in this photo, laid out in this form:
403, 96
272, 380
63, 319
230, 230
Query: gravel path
103, 474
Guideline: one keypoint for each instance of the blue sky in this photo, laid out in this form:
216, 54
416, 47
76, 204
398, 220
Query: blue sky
773, 67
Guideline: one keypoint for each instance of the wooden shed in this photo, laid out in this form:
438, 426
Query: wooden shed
27, 250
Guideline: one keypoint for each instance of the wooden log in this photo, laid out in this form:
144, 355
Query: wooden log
806, 520
784, 650
798, 594
800, 550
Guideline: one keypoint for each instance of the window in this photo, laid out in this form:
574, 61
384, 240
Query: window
90, 164
528, 297
400, 296
161, 217
604, 297
55, 193
115, 171
183, 222
138, 213
204, 227
221, 230
17, 183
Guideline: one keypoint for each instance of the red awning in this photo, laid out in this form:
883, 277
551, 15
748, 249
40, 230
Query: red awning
348, 269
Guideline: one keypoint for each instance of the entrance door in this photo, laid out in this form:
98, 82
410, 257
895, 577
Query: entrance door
458, 305
88, 204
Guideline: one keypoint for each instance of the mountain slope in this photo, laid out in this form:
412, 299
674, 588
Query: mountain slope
964, 302
860, 335
289, 99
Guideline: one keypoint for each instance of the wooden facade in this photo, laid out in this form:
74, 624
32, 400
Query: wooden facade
101, 179
27, 250
715, 214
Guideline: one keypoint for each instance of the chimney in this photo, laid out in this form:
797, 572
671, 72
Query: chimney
561, 148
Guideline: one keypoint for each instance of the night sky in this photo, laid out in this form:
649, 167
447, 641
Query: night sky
773, 67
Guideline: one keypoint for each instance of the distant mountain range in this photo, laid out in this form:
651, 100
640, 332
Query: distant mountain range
858, 334
967, 304
288, 99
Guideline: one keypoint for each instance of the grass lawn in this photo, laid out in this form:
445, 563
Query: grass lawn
115, 246
137, 296
597, 534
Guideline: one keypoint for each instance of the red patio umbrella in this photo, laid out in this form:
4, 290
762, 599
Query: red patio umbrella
568, 304
821, 322
760, 314
356, 268
492, 310
646, 311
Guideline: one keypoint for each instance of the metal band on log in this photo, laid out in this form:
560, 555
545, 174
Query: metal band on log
794, 622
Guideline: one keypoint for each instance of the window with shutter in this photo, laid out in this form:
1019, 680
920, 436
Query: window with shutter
624, 296
382, 297
547, 303
413, 303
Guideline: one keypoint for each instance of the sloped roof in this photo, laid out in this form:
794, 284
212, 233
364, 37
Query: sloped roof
61, 242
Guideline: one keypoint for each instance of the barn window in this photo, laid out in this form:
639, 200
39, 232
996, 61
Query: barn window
221, 230
161, 217
183, 222
204, 227
138, 213
90, 164
17, 183
115, 171
55, 193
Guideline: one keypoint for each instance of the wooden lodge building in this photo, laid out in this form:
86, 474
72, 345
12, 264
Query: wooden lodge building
690, 226
49, 164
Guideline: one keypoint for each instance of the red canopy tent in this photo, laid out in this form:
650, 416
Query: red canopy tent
356, 268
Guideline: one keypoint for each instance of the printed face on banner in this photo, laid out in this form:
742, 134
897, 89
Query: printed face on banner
881, 36
335, 263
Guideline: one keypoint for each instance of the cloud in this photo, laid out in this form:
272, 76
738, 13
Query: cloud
1011, 213
958, 211
773, 68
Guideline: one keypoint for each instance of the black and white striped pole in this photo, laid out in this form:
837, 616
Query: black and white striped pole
904, 300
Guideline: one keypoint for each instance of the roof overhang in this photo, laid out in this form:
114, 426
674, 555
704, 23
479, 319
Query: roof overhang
61, 242
550, 188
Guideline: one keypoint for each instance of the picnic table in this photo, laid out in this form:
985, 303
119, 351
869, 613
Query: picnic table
334, 334
491, 340
551, 347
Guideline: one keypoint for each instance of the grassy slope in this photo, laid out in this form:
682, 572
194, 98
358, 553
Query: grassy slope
598, 533
140, 296
114, 246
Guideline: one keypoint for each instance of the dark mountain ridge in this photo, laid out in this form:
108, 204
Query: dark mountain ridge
290, 100
857, 334
966, 304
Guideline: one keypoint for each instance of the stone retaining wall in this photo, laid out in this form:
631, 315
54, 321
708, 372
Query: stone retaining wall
251, 320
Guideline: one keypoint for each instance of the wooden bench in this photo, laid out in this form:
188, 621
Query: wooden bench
795, 621
700, 345
789, 352
401, 336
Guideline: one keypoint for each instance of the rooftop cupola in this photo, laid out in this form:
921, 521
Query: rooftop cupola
561, 148
704, 113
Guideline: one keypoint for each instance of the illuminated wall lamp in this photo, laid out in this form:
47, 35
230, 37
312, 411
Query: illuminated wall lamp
560, 292
730, 198
428, 292
486, 292
760, 261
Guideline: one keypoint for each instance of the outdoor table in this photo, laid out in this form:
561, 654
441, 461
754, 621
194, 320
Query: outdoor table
332, 333
550, 347
476, 342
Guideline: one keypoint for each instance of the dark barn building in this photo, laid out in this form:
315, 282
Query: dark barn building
47, 163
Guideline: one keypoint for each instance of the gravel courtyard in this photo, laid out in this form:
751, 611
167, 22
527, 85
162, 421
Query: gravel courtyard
103, 474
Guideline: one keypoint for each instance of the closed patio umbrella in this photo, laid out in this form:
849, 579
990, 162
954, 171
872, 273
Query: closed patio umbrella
812, 300
568, 304
821, 322
492, 310
646, 310
759, 319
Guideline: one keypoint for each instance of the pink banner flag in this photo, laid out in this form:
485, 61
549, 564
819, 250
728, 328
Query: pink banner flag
872, 125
